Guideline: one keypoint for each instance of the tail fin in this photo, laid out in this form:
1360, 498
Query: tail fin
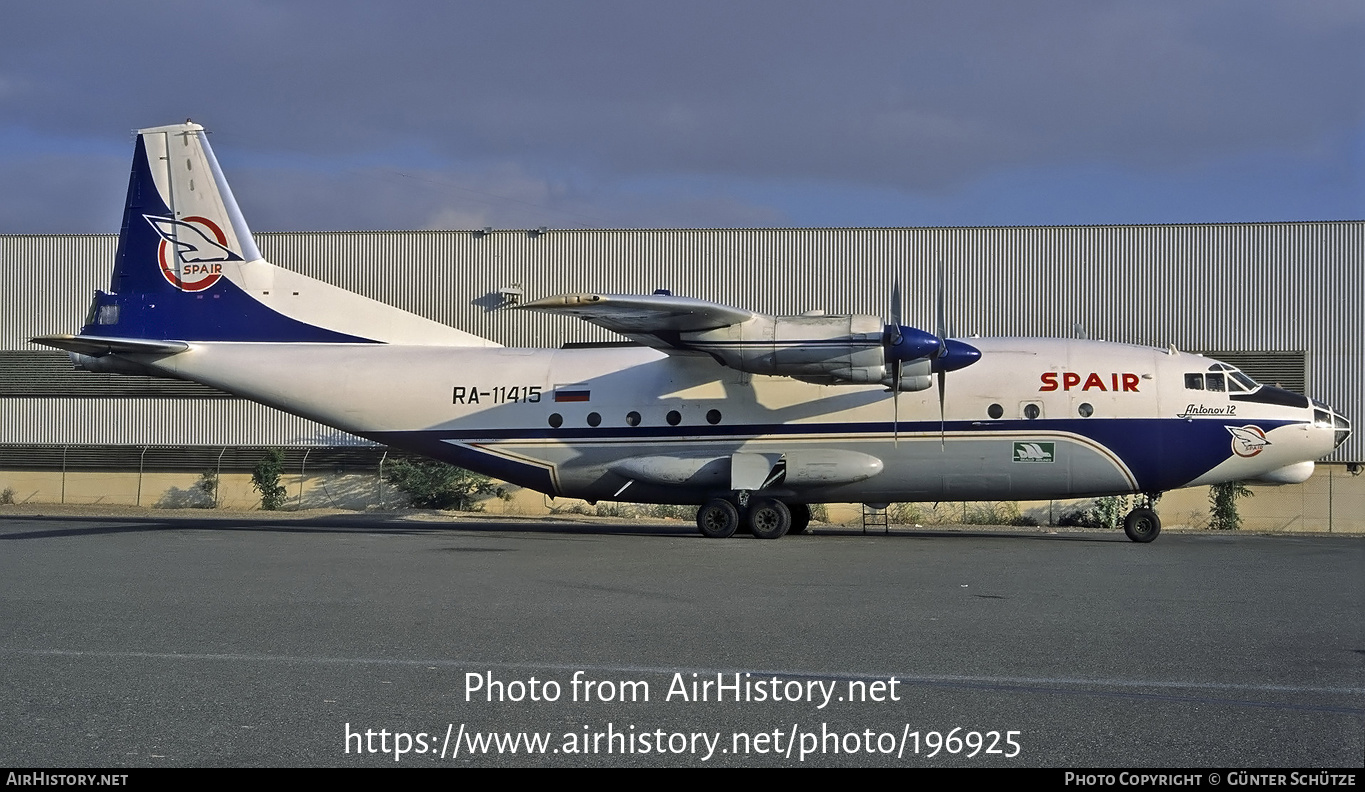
187, 268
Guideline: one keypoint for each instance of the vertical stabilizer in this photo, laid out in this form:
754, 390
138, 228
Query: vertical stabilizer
188, 269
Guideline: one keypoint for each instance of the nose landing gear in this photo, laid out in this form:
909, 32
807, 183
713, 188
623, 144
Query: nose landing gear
1142, 525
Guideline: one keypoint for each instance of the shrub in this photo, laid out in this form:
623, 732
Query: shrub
1074, 518
265, 479
1103, 513
1223, 514
613, 509
992, 513
1109, 511
670, 511
572, 507
435, 485
7, 497
208, 484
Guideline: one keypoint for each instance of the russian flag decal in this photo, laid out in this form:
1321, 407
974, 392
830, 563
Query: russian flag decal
572, 393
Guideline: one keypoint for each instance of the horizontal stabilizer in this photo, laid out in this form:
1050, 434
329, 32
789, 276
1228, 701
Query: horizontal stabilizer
96, 346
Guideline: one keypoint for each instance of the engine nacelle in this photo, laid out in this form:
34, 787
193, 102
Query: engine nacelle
821, 349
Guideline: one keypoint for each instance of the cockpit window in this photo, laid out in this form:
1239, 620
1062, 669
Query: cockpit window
1246, 381
1194, 381
1215, 382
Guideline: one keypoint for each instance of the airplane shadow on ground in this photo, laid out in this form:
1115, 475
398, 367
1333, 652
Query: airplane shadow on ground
403, 525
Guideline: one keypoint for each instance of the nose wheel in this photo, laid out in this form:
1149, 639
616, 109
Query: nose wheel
1142, 525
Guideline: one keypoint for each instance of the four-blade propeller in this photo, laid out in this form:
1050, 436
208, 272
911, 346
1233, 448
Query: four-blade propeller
904, 344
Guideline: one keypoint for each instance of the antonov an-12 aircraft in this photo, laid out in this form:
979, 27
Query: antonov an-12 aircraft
752, 417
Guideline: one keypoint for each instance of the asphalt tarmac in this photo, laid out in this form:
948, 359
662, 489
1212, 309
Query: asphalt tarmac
150, 641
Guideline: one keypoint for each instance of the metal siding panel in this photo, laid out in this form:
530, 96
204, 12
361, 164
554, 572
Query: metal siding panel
133, 421
1280, 287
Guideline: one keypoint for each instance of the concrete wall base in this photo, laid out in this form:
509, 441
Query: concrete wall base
1332, 501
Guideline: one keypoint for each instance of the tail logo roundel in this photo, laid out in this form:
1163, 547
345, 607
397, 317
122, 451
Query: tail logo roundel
192, 251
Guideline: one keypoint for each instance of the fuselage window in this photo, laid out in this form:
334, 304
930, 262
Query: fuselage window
1194, 381
1215, 382
594, 419
633, 418
674, 417
995, 411
1032, 411
1086, 409
713, 416
556, 420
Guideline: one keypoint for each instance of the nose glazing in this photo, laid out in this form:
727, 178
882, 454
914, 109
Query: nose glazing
1326, 417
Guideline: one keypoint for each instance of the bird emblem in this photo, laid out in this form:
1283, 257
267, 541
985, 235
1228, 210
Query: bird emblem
1247, 441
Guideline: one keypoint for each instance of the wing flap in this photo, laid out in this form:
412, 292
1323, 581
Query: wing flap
653, 319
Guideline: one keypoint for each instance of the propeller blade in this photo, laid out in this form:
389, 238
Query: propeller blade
896, 417
941, 328
896, 338
942, 422
897, 302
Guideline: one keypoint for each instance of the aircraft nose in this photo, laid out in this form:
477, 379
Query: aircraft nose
1327, 417
1342, 428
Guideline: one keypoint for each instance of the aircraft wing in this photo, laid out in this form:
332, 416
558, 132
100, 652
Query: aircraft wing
97, 346
652, 319
815, 348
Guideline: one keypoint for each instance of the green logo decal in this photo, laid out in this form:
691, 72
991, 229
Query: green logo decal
1035, 452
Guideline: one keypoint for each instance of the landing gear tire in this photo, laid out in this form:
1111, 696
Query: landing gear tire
1142, 525
800, 518
718, 519
769, 518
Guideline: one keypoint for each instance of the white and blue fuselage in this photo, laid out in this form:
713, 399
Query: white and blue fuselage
704, 413
1020, 424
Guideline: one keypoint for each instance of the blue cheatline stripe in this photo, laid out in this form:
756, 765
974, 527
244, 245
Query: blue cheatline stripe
1162, 454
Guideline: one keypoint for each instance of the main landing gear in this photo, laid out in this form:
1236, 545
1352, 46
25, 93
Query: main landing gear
767, 518
1142, 525
718, 519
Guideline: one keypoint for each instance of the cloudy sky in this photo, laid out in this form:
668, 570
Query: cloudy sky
749, 113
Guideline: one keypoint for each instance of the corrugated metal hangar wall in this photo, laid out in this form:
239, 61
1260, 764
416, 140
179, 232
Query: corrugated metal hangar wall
1280, 299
